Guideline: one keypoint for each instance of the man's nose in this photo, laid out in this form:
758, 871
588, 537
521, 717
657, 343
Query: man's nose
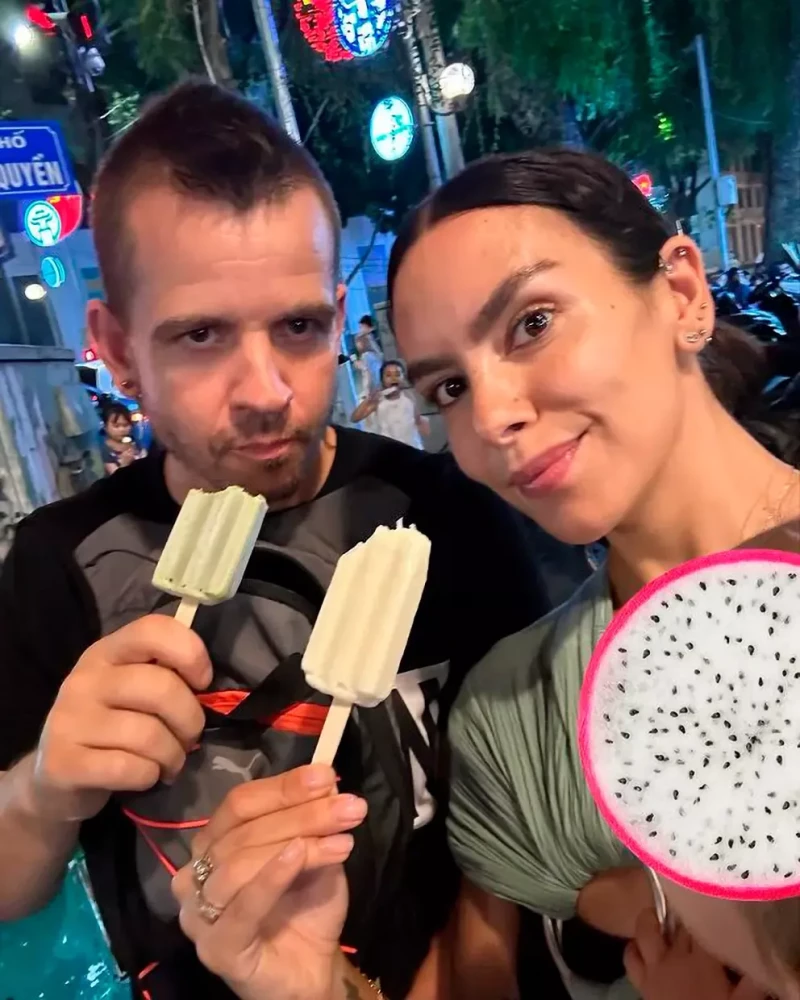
260, 382
501, 408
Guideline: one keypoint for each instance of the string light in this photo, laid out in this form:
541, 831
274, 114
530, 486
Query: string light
317, 24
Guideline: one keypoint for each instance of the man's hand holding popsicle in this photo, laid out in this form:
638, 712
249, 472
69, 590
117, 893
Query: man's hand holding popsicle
127, 715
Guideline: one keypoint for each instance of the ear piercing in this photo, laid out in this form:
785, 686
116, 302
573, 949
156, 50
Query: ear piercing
695, 338
130, 388
666, 266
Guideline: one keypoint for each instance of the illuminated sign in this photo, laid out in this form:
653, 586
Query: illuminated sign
364, 26
391, 128
53, 272
42, 224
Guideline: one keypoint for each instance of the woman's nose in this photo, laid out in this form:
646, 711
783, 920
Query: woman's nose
500, 407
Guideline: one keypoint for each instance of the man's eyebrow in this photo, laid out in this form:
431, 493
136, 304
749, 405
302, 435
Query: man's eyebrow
497, 303
323, 312
176, 325
319, 310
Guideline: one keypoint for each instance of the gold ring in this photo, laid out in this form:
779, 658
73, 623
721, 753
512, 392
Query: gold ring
202, 870
206, 910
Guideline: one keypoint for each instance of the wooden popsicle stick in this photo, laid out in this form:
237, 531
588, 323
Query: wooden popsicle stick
187, 609
332, 732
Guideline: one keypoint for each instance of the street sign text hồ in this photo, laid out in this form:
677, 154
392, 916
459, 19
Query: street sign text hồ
33, 160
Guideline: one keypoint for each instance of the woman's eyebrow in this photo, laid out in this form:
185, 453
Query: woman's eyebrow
418, 370
499, 300
492, 309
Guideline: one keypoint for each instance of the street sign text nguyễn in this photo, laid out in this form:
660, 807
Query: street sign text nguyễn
34, 162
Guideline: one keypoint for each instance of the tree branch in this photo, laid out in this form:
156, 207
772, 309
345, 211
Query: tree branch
315, 119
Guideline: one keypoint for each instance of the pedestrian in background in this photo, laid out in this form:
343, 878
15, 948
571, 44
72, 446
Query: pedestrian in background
118, 446
368, 364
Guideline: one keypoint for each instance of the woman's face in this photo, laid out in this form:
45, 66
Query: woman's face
561, 383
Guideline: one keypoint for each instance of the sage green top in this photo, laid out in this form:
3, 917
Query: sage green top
522, 823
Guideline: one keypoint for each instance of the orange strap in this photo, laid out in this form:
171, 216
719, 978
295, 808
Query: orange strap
301, 718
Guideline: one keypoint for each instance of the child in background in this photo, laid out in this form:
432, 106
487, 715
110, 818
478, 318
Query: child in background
118, 447
393, 409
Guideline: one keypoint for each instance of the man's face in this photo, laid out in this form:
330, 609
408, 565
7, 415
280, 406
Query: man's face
233, 336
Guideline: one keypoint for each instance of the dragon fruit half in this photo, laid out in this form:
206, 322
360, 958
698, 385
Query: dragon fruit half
689, 725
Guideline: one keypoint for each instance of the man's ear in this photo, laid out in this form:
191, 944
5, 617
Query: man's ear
111, 344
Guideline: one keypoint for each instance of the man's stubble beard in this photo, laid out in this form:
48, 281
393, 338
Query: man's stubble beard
277, 480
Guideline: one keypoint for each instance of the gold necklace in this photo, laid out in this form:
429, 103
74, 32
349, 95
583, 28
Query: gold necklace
773, 512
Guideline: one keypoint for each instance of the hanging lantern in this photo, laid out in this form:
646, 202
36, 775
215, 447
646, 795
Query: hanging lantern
364, 26
316, 21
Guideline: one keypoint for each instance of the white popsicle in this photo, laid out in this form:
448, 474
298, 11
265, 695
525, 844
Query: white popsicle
208, 548
362, 629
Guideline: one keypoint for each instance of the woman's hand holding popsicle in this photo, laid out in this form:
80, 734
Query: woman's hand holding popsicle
265, 898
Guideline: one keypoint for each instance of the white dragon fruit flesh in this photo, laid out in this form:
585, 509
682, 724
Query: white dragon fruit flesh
689, 725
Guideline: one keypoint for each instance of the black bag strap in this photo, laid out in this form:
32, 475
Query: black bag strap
279, 577
286, 685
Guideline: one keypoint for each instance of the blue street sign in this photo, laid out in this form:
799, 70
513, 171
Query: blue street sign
6, 246
34, 162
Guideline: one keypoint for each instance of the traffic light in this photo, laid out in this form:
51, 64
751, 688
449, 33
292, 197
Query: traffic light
86, 23
82, 26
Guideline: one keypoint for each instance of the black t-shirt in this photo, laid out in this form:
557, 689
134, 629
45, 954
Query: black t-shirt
57, 598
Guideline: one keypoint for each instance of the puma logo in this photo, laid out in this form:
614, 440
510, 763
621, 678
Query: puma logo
224, 764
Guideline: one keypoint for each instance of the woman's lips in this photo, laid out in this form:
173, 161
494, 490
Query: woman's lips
547, 471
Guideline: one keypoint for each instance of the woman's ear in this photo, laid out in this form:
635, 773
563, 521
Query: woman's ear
112, 345
682, 267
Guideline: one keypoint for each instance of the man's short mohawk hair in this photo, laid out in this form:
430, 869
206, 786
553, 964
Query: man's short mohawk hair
208, 143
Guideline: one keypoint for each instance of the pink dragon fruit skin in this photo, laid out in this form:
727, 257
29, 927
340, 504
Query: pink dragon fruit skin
745, 794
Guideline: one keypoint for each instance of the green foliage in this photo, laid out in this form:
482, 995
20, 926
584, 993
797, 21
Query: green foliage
628, 68
159, 35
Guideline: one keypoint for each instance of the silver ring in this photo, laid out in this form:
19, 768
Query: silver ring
202, 870
206, 910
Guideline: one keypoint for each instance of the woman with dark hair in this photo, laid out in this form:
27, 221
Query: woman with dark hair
570, 343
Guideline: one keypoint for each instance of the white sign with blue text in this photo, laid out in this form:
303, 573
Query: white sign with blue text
33, 161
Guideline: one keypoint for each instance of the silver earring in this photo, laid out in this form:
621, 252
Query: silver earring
665, 266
